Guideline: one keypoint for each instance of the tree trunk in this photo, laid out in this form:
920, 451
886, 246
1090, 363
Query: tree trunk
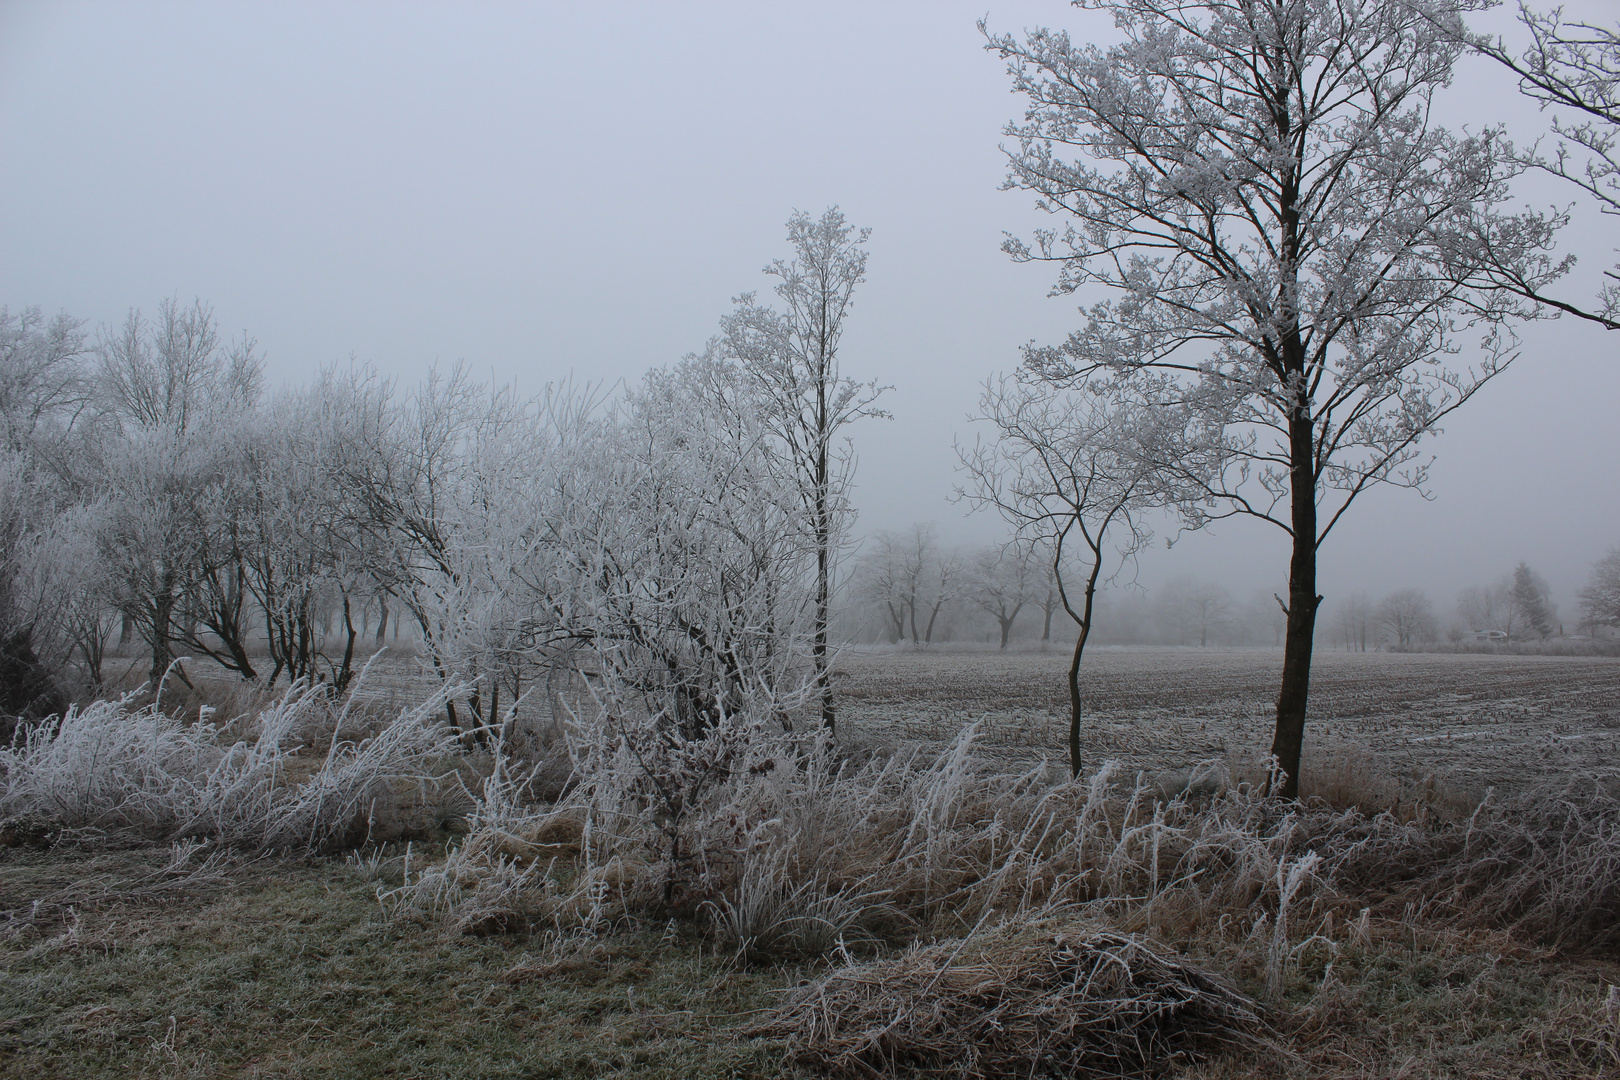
1074, 664
823, 527
1303, 601
382, 618
162, 615
346, 673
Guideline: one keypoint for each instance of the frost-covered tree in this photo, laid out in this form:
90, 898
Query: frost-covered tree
1002, 580
790, 358
691, 539
1600, 596
1573, 70
883, 575
1282, 235
171, 392
912, 577
1066, 470
44, 386
1194, 609
43, 392
1407, 618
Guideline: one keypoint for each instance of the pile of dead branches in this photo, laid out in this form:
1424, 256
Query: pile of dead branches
1052, 998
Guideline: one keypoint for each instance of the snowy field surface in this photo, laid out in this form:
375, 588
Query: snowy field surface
1471, 721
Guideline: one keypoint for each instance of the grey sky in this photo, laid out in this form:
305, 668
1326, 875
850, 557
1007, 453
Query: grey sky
542, 189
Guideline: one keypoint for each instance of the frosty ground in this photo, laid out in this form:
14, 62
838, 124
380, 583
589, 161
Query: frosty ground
1470, 721
1417, 936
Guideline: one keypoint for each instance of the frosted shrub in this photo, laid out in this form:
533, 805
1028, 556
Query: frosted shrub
788, 851
111, 765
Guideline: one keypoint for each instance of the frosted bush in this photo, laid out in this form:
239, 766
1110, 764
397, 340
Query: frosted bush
115, 766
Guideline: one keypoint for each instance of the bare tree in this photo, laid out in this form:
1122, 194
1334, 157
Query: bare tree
1600, 596
1407, 618
1195, 609
792, 359
1047, 597
1067, 473
907, 573
1264, 618
1002, 582
943, 581
882, 576
1355, 621
1294, 248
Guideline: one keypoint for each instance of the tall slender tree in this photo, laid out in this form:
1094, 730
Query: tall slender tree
791, 357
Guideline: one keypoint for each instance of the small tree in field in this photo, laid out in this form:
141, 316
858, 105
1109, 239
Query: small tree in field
1288, 242
1355, 615
1002, 583
1196, 609
1067, 473
881, 578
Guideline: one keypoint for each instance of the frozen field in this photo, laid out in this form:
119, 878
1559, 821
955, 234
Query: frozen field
1469, 720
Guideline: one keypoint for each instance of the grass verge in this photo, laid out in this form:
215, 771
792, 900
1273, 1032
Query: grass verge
282, 969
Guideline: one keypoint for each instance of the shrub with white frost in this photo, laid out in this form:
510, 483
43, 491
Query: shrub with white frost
115, 766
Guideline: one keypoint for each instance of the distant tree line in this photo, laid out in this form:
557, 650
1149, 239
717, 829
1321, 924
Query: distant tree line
910, 587
1517, 608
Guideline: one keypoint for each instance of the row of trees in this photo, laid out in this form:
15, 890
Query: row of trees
1283, 256
1518, 607
908, 587
675, 538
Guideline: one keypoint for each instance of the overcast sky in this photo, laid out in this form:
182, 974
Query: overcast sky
553, 189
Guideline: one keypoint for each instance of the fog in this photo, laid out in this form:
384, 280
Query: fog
566, 190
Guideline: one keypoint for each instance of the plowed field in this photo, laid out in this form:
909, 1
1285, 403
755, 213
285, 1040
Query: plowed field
1470, 720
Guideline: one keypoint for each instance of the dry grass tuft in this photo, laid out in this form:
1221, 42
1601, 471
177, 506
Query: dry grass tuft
1543, 864
1049, 998
118, 766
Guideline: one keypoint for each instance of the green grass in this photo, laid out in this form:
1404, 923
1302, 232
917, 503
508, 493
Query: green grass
292, 972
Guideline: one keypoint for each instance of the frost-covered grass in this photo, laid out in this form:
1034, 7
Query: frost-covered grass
898, 901
190, 961
114, 765
285, 970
